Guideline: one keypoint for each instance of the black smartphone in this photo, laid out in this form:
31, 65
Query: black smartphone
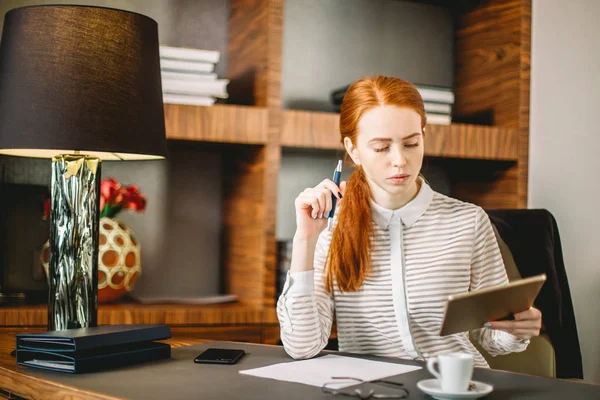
219, 356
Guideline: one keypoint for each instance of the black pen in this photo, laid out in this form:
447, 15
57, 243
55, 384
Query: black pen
337, 176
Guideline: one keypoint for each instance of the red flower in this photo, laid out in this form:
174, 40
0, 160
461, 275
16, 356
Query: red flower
133, 199
114, 198
111, 193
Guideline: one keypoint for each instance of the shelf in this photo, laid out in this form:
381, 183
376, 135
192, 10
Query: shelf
471, 141
219, 123
311, 129
320, 130
135, 313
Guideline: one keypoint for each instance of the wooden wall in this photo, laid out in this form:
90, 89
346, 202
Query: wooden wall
492, 78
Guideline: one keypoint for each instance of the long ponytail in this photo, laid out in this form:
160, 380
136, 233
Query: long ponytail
349, 260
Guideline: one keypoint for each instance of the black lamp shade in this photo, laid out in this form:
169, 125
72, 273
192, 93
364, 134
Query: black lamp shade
80, 78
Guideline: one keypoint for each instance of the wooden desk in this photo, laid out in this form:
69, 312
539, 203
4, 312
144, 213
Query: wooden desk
179, 377
15, 380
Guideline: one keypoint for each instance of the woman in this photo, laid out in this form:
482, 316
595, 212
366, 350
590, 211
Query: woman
397, 249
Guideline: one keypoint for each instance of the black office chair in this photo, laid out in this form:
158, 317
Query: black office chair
530, 244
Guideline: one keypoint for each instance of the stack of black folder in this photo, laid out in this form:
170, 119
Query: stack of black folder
93, 349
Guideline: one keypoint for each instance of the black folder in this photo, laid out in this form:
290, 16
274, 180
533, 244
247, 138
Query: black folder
93, 349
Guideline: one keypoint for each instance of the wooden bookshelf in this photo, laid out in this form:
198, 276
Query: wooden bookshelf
488, 164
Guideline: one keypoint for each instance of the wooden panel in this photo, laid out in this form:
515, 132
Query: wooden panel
492, 78
270, 334
487, 61
471, 141
244, 224
320, 130
254, 52
246, 49
133, 313
255, 46
219, 123
272, 98
270, 272
249, 333
24, 316
524, 96
489, 185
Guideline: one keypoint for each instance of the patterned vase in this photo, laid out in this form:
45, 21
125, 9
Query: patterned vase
119, 259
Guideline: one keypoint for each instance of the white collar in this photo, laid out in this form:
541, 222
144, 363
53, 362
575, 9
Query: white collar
407, 214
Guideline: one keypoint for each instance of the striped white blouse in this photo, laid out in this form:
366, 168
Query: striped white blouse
433, 247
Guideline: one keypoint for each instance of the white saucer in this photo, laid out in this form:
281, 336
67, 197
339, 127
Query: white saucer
433, 388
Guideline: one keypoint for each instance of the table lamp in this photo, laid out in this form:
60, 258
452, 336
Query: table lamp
79, 85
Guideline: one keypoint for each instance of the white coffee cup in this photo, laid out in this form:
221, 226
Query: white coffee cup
455, 371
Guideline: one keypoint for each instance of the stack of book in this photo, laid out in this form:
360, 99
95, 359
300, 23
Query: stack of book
93, 349
188, 76
438, 101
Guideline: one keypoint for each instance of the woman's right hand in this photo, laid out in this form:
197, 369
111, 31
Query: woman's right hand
313, 206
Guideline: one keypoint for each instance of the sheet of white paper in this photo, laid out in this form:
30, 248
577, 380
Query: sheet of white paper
318, 371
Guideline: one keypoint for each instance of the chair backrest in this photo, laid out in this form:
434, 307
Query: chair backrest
539, 358
532, 238
509, 261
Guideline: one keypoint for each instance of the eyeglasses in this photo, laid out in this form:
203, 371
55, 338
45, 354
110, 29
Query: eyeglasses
402, 392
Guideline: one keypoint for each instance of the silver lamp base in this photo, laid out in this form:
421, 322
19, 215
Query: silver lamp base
74, 218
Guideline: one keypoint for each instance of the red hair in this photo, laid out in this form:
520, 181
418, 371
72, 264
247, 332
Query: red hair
349, 258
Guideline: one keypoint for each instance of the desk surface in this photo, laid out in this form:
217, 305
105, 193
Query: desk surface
180, 378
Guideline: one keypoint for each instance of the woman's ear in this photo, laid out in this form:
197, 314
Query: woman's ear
351, 150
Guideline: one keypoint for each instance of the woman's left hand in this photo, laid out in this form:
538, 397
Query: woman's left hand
526, 324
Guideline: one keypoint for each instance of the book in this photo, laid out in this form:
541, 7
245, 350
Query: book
192, 100
438, 119
187, 76
182, 65
94, 348
217, 88
440, 108
438, 99
190, 54
436, 95
72, 340
434, 87
94, 359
